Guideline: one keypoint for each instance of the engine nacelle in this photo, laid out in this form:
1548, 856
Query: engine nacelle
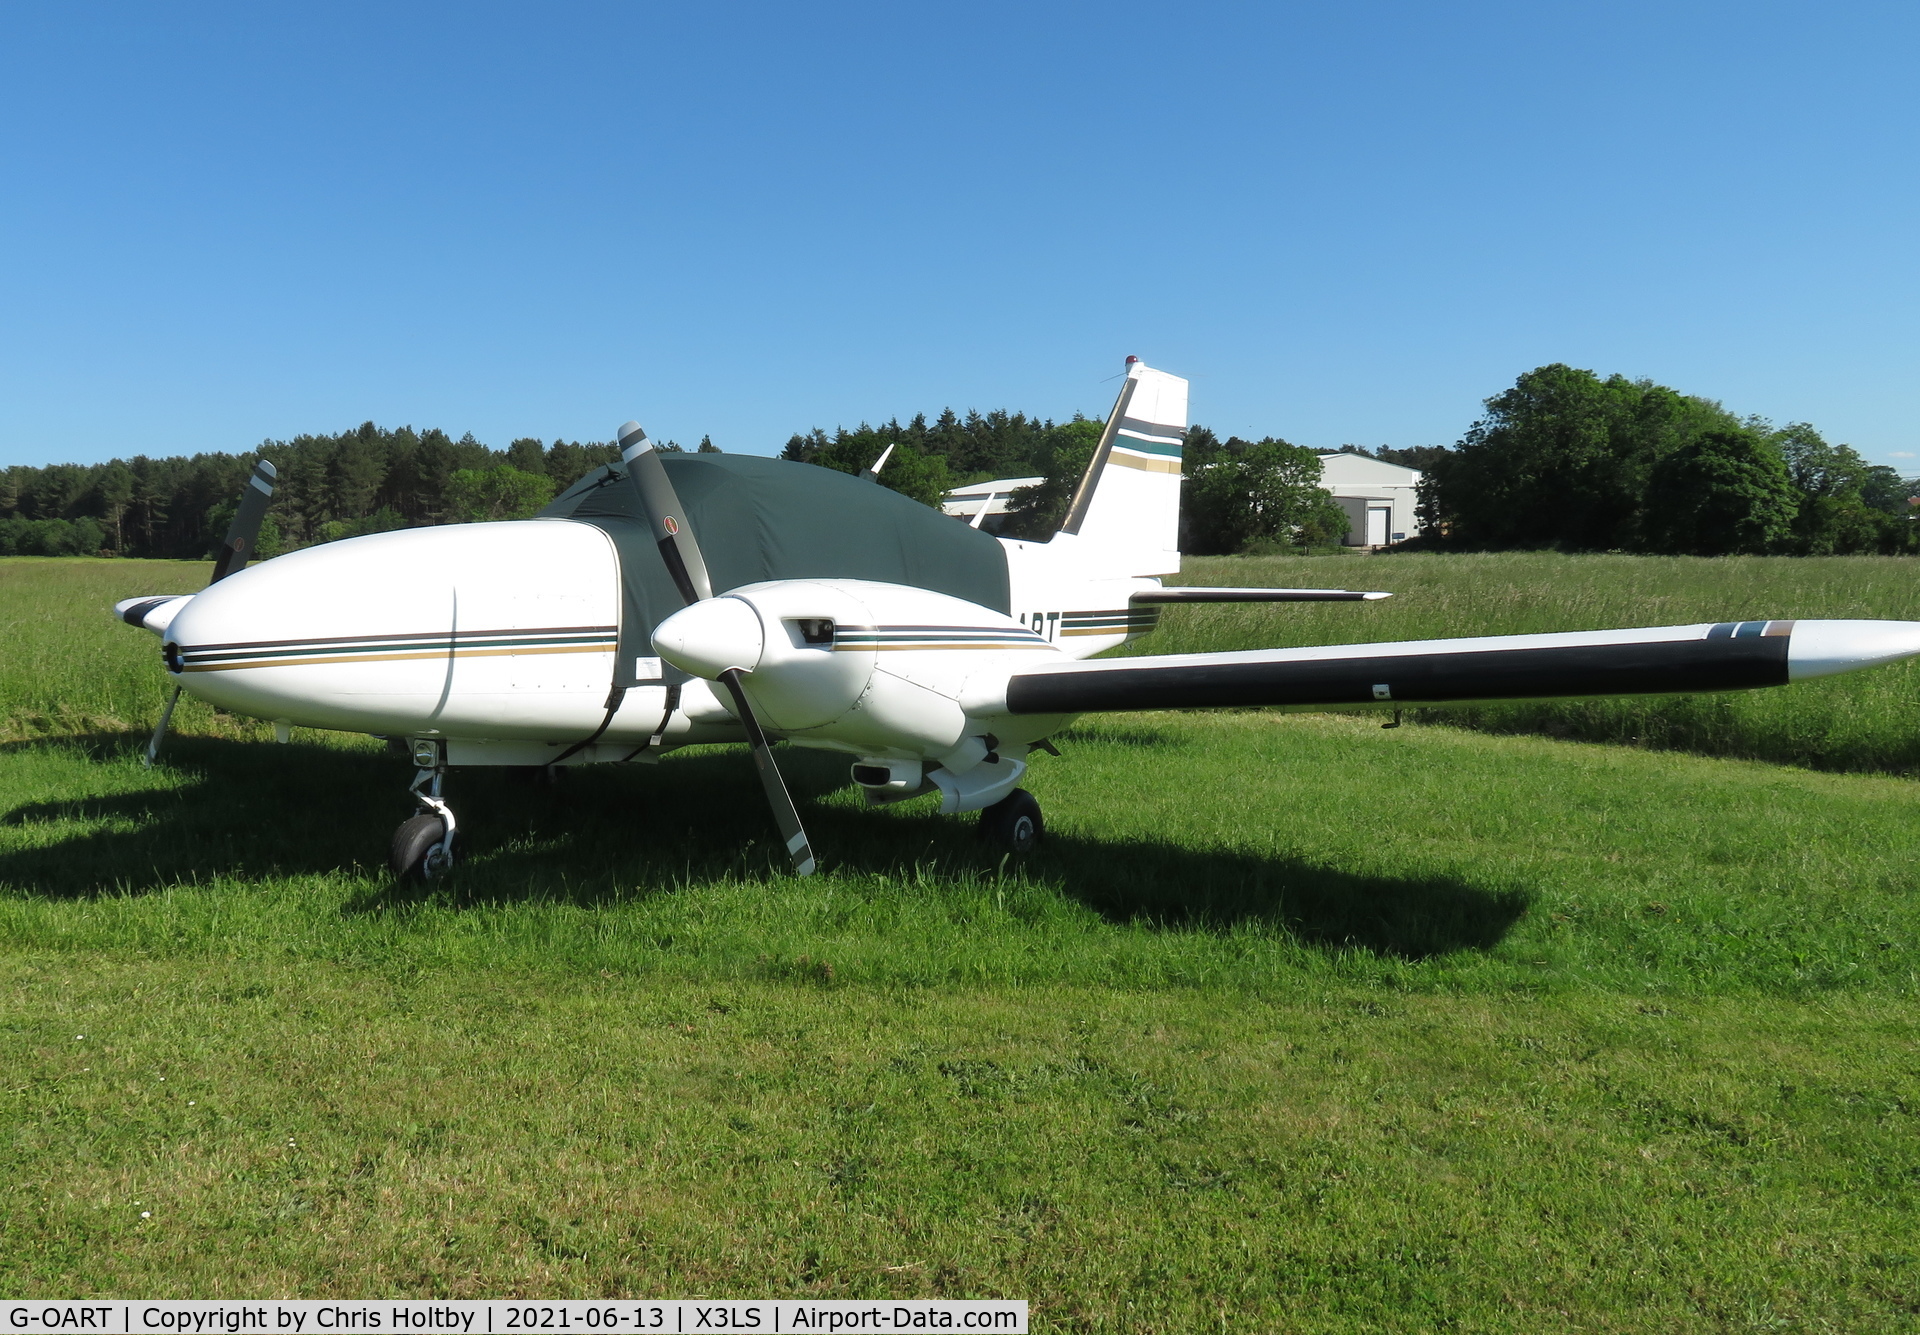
852, 665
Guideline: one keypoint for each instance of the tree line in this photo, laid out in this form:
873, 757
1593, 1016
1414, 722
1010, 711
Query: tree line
366, 480
1566, 459
1562, 459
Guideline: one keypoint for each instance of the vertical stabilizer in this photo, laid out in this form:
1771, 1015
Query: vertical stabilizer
1127, 508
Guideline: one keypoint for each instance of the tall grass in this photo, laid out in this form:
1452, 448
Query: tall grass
67, 666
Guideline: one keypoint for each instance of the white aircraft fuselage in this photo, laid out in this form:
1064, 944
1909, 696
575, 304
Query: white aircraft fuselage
500, 638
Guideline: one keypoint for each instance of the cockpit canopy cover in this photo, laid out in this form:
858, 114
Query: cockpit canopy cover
763, 519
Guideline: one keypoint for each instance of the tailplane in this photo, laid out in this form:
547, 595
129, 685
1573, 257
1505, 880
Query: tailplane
1127, 508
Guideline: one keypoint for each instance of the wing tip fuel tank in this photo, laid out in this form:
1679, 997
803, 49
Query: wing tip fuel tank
1824, 648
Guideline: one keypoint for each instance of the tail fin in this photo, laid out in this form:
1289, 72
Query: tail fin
1127, 507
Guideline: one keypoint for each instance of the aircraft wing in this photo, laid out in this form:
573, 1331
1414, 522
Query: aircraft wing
1664, 660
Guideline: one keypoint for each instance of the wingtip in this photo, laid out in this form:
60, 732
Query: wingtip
150, 612
1824, 648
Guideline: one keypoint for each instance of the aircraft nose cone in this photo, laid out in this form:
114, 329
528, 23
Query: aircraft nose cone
711, 636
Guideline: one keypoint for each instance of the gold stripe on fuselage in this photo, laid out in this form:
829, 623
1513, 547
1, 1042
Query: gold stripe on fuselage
434, 654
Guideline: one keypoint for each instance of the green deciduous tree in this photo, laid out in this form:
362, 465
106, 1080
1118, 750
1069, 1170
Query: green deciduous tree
1036, 513
500, 492
1723, 492
1256, 493
1562, 459
1845, 504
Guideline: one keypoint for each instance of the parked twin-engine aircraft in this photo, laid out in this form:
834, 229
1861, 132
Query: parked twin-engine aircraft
681, 599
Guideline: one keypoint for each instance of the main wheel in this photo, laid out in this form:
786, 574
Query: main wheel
415, 854
1013, 823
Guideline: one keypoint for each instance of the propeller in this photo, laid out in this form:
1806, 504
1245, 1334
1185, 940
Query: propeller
243, 536
244, 533
681, 553
663, 510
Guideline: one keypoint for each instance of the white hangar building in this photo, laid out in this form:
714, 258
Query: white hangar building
1377, 496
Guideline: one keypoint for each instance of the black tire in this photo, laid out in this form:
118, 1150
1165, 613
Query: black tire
413, 842
1013, 823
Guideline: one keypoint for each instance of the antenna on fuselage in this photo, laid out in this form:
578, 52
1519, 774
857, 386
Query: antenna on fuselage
873, 474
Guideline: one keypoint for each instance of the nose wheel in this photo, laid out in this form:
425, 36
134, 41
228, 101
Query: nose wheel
1013, 824
422, 848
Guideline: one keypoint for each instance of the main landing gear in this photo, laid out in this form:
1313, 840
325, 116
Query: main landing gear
1013, 823
423, 845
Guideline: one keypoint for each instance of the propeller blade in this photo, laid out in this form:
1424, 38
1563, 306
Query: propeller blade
242, 537
160, 729
784, 813
681, 552
873, 474
245, 531
662, 504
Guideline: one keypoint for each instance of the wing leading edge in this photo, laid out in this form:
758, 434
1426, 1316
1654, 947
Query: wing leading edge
1723, 656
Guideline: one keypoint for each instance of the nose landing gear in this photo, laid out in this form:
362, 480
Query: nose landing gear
422, 848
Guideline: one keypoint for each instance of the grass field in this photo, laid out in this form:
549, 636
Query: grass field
1294, 1023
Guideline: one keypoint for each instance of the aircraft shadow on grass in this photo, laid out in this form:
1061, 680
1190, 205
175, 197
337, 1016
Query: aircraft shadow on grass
600, 836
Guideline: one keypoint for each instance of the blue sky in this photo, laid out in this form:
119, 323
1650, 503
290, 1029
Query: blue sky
1345, 222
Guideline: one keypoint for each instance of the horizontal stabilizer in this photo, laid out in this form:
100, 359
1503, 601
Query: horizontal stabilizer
1667, 660
1211, 595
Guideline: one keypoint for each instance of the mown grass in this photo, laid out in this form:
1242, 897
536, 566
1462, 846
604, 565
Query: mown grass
1295, 1024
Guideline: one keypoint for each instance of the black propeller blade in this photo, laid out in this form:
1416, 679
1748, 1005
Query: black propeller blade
785, 814
662, 506
244, 533
681, 553
243, 536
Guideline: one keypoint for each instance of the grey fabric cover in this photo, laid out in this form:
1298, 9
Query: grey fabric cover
762, 519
